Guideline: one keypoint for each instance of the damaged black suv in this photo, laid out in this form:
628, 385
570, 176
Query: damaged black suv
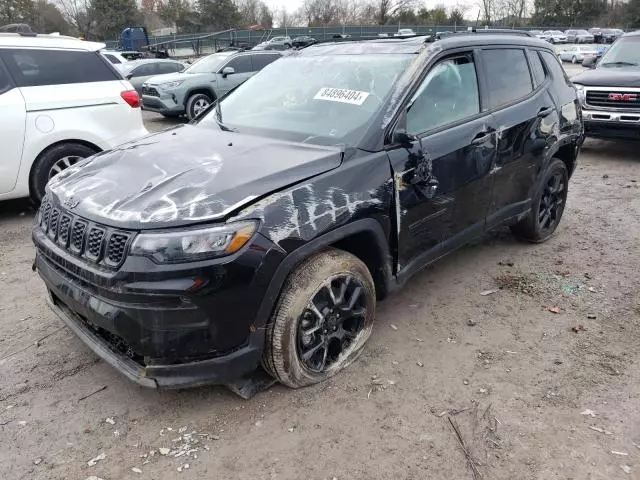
264, 232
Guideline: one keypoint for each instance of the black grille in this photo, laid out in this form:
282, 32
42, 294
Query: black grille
116, 248
614, 99
77, 236
150, 91
63, 230
45, 216
94, 242
54, 216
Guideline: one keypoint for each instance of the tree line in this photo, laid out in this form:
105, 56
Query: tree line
105, 19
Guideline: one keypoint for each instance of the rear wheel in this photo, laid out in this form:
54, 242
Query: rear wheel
52, 162
197, 104
548, 206
323, 319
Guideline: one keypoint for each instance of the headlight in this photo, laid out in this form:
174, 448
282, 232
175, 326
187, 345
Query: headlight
581, 92
193, 245
170, 85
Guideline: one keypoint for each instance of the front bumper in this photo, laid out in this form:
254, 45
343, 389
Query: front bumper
147, 323
166, 103
611, 125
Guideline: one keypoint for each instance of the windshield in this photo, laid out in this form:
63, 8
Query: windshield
624, 52
317, 99
556, 32
582, 32
209, 64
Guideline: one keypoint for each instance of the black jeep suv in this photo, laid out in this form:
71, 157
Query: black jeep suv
610, 92
264, 232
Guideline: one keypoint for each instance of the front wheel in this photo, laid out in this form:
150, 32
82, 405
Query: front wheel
323, 319
197, 104
548, 206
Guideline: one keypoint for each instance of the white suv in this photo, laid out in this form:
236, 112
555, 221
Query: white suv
60, 101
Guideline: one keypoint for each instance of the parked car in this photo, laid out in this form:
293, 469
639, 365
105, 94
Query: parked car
404, 32
610, 35
556, 36
265, 231
597, 34
140, 71
577, 53
541, 35
303, 41
283, 42
578, 36
610, 91
114, 57
193, 90
60, 101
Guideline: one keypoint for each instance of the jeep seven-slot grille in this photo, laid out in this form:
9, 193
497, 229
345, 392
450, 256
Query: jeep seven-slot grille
95, 243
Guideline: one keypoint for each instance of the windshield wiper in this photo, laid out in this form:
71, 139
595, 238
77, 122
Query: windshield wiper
621, 64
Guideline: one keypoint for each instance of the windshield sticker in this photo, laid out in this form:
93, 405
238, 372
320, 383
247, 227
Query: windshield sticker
354, 97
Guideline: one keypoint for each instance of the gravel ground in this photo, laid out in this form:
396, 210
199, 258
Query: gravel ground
531, 397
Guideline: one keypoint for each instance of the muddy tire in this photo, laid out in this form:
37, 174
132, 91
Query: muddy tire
322, 321
548, 207
52, 162
196, 104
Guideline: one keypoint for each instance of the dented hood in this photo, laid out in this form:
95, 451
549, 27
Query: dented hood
185, 175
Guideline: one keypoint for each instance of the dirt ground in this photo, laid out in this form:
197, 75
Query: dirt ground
531, 398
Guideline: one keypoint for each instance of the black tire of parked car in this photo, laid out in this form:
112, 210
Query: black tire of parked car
548, 206
192, 102
170, 115
43, 165
297, 358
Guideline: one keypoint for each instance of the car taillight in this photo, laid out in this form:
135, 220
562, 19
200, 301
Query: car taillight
131, 97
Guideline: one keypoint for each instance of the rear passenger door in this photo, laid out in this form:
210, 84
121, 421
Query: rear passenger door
525, 114
12, 125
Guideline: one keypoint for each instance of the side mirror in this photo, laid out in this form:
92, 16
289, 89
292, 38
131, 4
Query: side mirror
228, 71
401, 137
590, 62
129, 76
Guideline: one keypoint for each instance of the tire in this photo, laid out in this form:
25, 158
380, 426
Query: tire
196, 104
170, 115
548, 206
286, 346
53, 161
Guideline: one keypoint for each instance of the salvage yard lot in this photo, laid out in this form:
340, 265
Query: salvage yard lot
540, 375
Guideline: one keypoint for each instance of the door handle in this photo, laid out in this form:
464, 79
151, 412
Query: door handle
545, 111
482, 137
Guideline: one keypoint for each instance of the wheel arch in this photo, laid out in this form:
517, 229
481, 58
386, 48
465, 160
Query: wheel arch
85, 143
363, 238
196, 90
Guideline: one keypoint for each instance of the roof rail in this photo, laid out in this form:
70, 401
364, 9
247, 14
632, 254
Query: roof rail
359, 39
36, 35
489, 31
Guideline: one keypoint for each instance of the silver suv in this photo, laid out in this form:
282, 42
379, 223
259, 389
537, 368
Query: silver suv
190, 92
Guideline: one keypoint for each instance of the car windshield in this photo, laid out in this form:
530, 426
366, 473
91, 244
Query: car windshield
326, 100
582, 32
624, 52
209, 64
556, 32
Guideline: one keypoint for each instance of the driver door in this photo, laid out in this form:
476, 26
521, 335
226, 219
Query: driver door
243, 69
442, 183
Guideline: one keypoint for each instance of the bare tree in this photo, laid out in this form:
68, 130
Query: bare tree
387, 8
78, 13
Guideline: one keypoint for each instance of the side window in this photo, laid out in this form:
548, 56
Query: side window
145, 70
112, 58
32, 68
553, 64
262, 60
448, 94
5, 80
536, 67
241, 64
169, 67
508, 75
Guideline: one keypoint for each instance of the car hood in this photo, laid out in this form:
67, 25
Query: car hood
173, 77
185, 175
610, 77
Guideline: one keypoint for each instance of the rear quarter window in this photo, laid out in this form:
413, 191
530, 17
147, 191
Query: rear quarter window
33, 68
